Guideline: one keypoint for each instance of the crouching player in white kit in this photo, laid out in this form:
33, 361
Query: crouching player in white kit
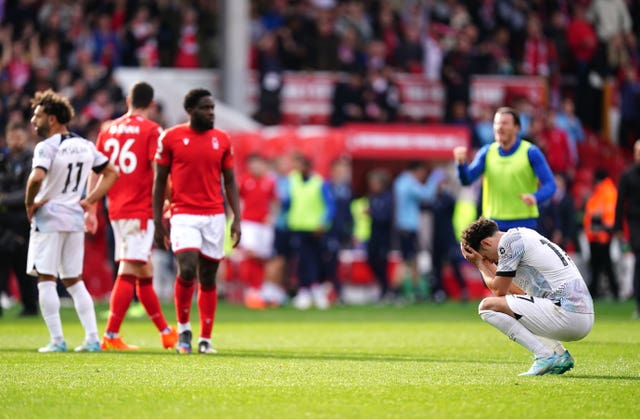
539, 298
61, 165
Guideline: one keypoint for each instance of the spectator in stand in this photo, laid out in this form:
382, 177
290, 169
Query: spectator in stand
582, 42
188, 48
526, 111
567, 121
295, 39
483, 127
325, 44
348, 99
350, 54
387, 28
461, 118
539, 54
352, 16
513, 203
558, 218
628, 210
613, 25
433, 55
208, 30
498, 60
257, 195
140, 46
106, 42
413, 187
381, 95
554, 143
311, 208
598, 221
410, 52
271, 80
379, 244
457, 68
629, 89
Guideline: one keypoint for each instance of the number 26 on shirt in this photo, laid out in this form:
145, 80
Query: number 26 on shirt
123, 158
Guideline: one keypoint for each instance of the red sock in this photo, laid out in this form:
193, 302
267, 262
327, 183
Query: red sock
121, 297
183, 295
207, 302
257, 273
149, 299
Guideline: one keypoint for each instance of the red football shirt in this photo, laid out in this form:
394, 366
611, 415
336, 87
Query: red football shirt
195, 160
130, 142
256, 193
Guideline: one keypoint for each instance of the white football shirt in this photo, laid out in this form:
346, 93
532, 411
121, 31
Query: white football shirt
542, 269
67, 159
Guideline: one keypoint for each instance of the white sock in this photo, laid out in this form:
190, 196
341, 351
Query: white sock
50, 309
183, 327
516, 332
84, 307
554, 345
273, 293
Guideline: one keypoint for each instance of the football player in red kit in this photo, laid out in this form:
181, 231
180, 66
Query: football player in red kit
198, 159
130, 143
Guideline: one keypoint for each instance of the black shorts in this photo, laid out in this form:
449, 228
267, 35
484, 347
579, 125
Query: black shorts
408, 244
282, 243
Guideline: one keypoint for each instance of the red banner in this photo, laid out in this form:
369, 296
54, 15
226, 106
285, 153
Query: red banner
496, 91
404, 141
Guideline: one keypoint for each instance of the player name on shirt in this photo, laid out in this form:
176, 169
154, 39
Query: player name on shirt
124, 129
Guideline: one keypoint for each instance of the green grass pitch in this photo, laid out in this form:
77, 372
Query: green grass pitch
427, 361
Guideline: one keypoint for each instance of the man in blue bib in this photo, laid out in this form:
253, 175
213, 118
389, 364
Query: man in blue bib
512, 168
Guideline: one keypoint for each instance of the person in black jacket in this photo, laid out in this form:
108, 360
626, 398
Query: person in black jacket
15, 166
628, 208
379, 244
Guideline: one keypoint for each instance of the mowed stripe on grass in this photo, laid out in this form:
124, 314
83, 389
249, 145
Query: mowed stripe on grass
416, 361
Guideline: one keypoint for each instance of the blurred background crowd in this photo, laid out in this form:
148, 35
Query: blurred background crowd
578, 46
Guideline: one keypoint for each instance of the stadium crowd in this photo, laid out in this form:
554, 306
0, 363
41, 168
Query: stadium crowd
74, 46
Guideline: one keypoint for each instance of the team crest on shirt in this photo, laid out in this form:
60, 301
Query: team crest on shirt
214, 143
185, 141
502, 250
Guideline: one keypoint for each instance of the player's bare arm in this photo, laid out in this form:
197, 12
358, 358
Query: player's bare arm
90, 216
108, 176
34, 183
231, 192
161, 174
498, 285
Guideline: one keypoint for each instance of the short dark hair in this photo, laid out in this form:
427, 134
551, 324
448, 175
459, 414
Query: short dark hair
505, 110
141, 95
16, 125
478, 231
53, 104
191, 99
416, 164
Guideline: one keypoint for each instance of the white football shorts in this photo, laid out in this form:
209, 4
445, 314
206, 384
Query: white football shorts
202, 233
56, 253
257, 238
543, 317
132, 243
